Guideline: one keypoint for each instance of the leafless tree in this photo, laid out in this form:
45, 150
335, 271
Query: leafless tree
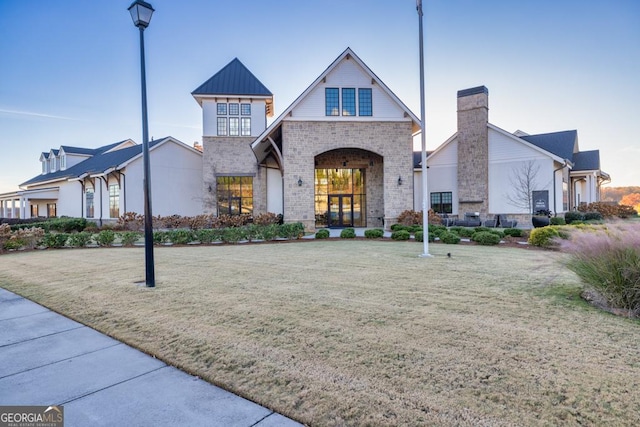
523, 180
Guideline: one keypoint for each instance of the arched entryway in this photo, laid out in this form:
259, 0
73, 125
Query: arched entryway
348, 189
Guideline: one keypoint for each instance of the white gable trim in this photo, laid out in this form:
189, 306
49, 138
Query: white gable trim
124, 144
348, 53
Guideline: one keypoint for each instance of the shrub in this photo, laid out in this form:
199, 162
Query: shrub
200, 222
55, 240
572, 216
450, 238
557, 220
322, 234
80, 240
498, 233
270, 232
466, 232
436, 227
410, 217
291, 230
348, 233
400, 235
413, 229
12, 244
398, 227
513, 232
420, 236
181, 237
625, 211
208, 235
486, 238
608, 260
28, 238
608, 210
543, 236
593, 216
266, 219
224, 221
478, 229
160, 237
233, 234
376, 233
131, 221
128, 238
67, 225
106, 237
433, 217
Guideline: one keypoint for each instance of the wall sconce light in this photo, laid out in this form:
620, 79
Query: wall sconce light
370, 162
299, 182
210, 189
400, 180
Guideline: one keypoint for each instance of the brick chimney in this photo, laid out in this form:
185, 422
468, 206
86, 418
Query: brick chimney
473, 150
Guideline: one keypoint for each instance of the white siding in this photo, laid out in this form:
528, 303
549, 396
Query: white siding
442, 175
210, 115
69, 199
74, 159
351, 75
274, 191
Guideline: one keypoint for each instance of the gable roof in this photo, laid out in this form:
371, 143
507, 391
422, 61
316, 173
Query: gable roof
233, 79
586, 161
348, 53
78, 150
561, 144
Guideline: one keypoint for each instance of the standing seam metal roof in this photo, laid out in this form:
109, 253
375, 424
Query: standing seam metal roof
233, 79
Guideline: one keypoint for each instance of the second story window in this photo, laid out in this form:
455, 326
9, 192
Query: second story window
365, 103
332, 101
348, 101
343, 102
229, 121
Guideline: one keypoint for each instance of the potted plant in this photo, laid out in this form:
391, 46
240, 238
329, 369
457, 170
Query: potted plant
541, 218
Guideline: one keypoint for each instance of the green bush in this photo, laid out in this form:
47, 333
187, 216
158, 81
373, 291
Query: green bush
513, 232
557, 220
291, 230
413, 229
439, 232
160, 237
479, 229
435, 228
181, 236
420, 236
208, 235
450, 238
376, 233
486, 238
67, 225
455, 229
233, 234
323, 233
106, 237
13, 244
270, 231
543, 236
400, 235
572, 216
79, 240
466, 232
593, 216
128, 238
348, 233
55, 240
398, 227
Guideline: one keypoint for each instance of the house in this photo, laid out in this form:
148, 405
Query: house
103, 183
485, 169
340, 155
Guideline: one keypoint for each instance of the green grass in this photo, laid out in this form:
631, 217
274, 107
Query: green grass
347, 332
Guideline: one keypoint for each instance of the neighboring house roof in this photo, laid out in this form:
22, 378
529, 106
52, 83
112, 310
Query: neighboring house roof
586, 161
261, 152
78, 150
101, 160
233, 79
562, 144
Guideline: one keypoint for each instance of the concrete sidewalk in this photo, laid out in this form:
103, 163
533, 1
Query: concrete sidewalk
48, 359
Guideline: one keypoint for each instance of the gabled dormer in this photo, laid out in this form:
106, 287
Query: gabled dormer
234, 103
53, 160
44, 160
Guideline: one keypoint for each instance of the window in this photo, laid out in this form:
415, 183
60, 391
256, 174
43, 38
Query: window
44, 167
235, 195
246, 126
63, 162
51, 210
332, 101
114, 201
348, 101
365, 105
222, 126
234, 109
222, 109
442, 202
34, 211
234, 126
245, 109
88, 194
52, 162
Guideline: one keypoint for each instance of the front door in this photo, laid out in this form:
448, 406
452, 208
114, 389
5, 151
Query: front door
341, 210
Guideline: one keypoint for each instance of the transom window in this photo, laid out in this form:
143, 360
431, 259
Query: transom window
442, 202
235, 195
234, 109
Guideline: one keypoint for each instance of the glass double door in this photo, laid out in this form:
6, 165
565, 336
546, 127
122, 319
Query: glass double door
340, 210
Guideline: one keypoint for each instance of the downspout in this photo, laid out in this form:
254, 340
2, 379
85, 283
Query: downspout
82, 213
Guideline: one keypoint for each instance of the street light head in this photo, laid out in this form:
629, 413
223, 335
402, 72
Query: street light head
141, 12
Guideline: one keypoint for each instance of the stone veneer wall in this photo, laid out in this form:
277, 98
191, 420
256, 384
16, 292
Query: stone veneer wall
473, 151
303, 141
231, 155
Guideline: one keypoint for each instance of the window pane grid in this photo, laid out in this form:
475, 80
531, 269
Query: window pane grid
234, 109
332, 101
222, 109
348, 102
235, 195
222, 126
246, 126
234, 126
365, 106
245, 109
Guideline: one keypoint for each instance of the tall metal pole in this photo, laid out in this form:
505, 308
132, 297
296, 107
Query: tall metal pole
150, 277
425, 193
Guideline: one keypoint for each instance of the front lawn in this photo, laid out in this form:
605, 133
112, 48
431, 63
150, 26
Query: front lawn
360, 332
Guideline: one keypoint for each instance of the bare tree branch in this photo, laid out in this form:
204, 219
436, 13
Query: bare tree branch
523, 180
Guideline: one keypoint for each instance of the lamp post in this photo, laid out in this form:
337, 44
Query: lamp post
425, 193
141, 14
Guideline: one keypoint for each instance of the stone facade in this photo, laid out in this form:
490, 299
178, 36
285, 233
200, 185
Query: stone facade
303, 142
231, 156
473, 150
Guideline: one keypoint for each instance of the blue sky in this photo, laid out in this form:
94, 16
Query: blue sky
70, 68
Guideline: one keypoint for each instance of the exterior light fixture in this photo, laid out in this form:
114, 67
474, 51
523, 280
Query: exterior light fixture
400, 180
299, 182
141, 14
